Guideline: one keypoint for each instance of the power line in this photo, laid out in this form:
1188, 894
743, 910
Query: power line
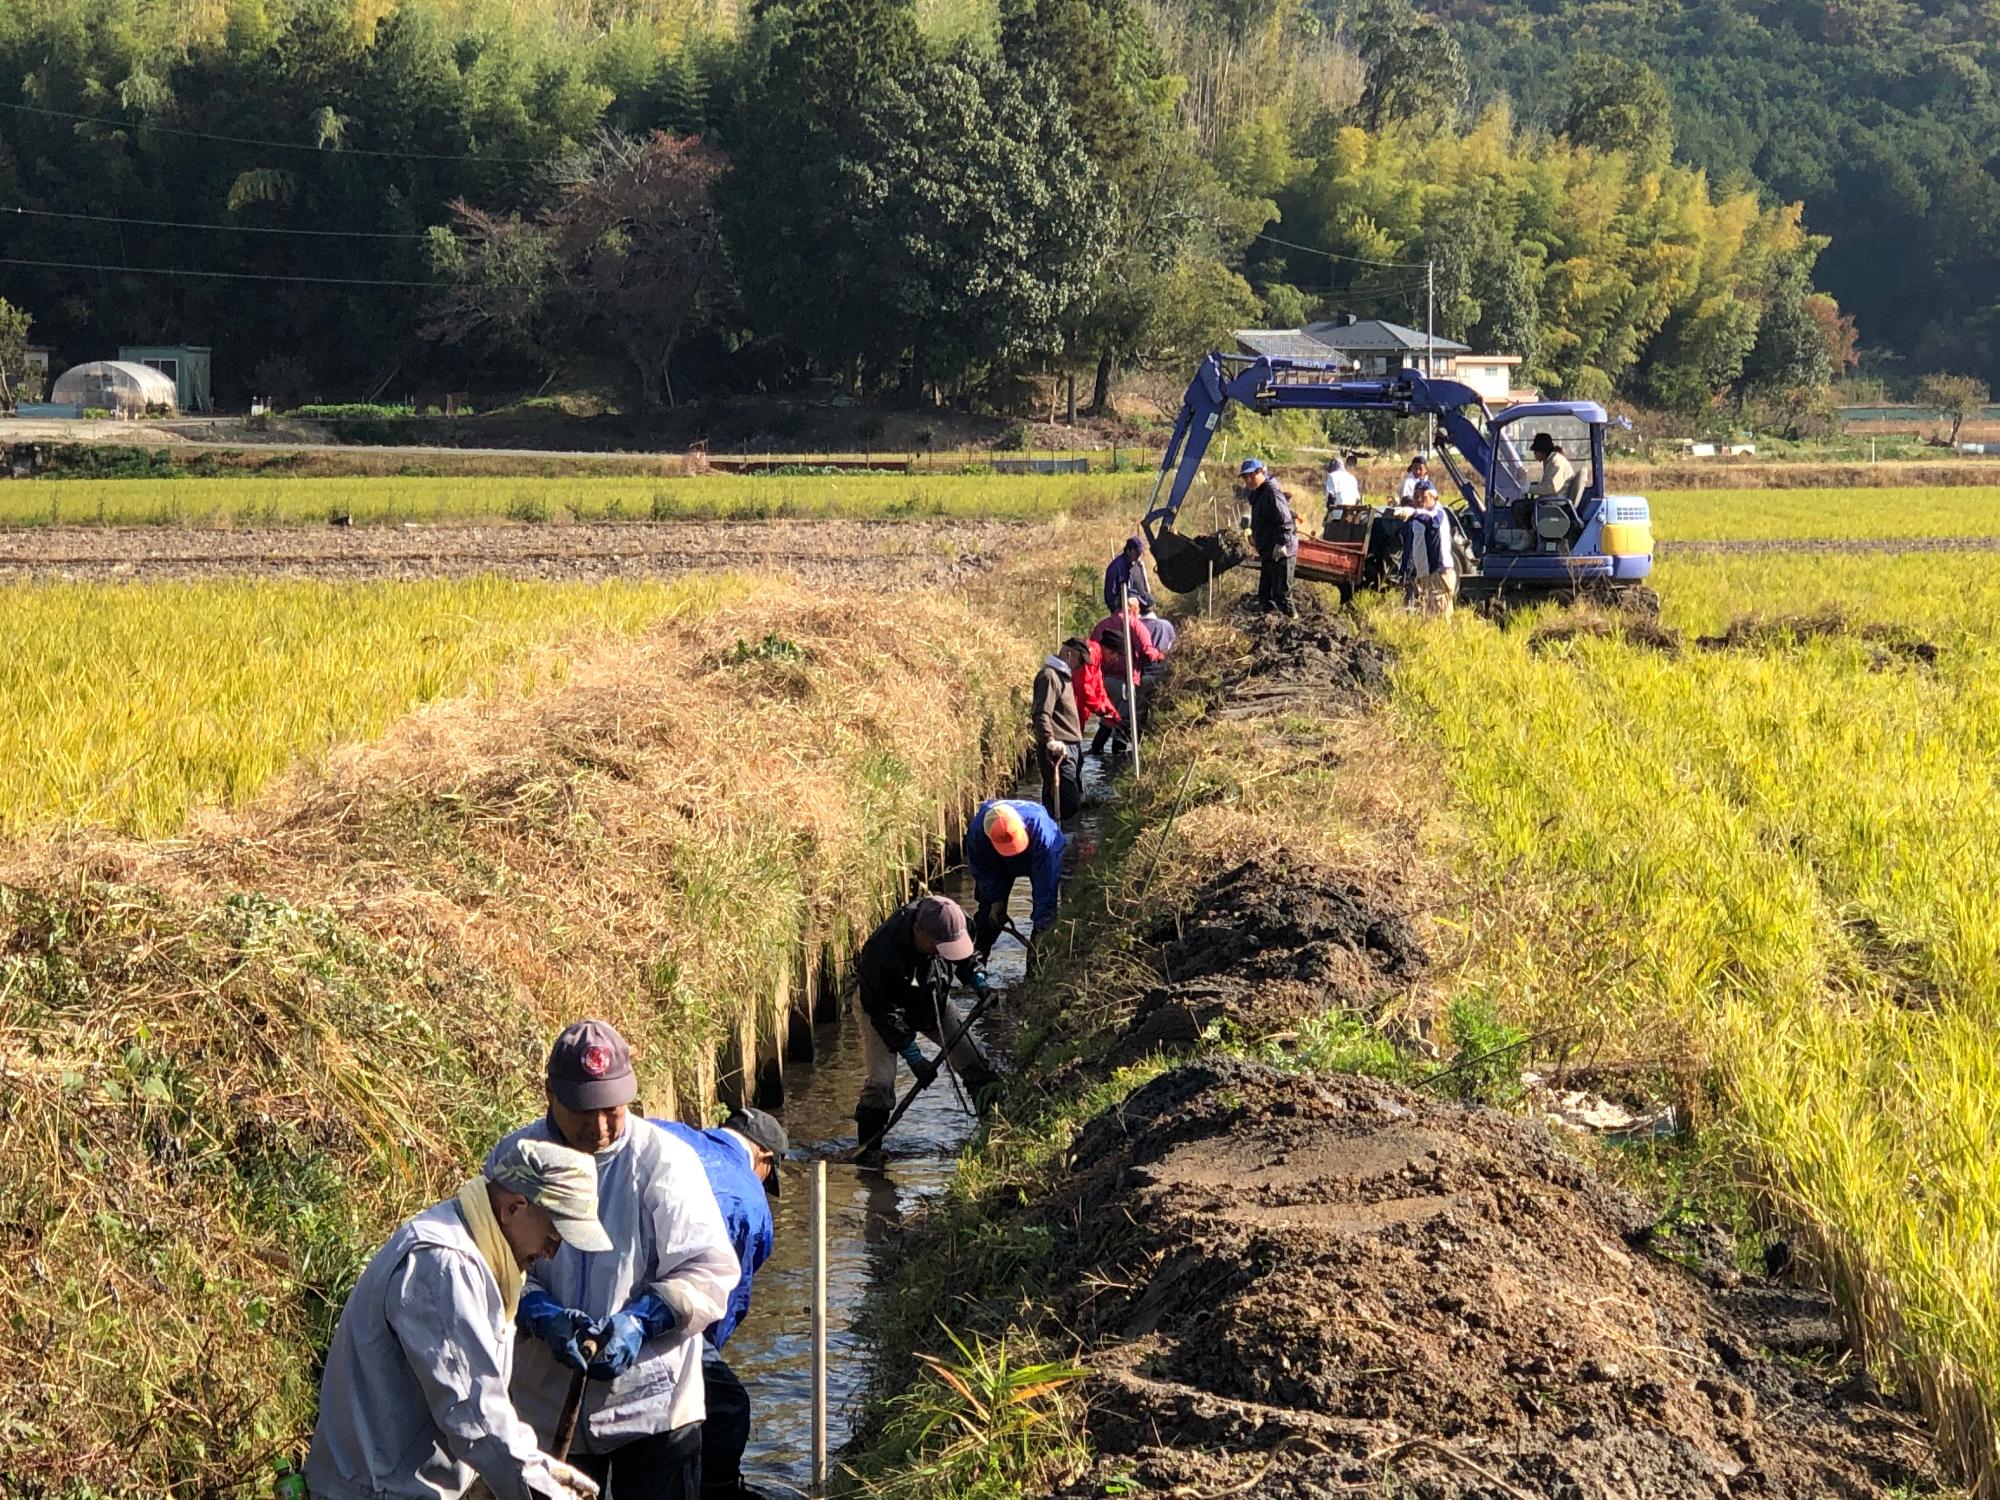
65, 265
248, 140
1359, 260
352, 234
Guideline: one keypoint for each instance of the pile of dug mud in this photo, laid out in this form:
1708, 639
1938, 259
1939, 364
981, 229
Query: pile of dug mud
1322, 1285
1323, 659
1264, 944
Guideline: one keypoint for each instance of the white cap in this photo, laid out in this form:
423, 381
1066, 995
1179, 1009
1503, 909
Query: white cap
559, 1181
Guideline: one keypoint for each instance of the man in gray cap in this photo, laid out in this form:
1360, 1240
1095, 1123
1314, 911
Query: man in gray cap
905, 971
644, 1302
741, 1157
414, 1402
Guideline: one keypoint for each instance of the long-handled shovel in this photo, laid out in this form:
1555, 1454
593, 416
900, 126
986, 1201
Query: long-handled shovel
909, 1098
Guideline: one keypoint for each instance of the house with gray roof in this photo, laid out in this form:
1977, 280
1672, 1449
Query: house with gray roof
1378, 347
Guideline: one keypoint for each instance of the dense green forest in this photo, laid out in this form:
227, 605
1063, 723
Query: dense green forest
1883, 117
950, 200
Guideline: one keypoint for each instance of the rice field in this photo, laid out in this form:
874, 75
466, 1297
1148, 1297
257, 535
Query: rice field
1766, 515
127, 707
1779, 860
259, 501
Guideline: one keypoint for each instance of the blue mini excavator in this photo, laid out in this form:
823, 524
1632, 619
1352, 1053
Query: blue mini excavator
1523, 544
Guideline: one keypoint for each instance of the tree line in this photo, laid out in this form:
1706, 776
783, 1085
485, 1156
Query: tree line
922, 205
1881, 116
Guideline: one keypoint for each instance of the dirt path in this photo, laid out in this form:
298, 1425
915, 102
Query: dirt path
1298, 1284
896, 554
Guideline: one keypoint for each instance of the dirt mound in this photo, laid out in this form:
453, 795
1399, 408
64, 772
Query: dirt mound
1264, 944
1635, 630
894, 555
1320, 1285
1890, 643
1323, 658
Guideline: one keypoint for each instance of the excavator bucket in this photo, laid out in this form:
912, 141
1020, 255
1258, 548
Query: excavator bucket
1185, 563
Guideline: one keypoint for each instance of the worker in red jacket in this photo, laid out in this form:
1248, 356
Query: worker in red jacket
1110, 634
1092, 699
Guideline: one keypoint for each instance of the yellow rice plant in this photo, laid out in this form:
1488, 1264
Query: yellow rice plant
230, 1061
1779, 858
1770, 515
263, 501
125, 707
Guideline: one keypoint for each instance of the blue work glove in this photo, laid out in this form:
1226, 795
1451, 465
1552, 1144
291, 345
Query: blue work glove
979, 984
620, 1336
920, 1065
555, 1325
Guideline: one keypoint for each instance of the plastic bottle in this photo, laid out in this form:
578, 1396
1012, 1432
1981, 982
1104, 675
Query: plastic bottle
287, 1483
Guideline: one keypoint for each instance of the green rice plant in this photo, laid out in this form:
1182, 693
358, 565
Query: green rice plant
982, 1426
1777, 858
263, 500
127, 707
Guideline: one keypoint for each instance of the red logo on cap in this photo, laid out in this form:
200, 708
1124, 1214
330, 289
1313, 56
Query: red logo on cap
596, 1061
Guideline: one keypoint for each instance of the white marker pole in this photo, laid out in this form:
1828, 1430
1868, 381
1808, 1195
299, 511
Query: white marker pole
1131, 674
818, 1215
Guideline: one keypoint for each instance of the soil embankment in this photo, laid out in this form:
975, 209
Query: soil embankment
911, 554
1297, 1281
1327, 1280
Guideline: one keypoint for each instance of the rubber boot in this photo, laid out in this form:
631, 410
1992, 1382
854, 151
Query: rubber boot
1102, 738
870, 1120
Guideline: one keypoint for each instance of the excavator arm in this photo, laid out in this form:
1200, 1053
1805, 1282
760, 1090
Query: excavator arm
1268, 384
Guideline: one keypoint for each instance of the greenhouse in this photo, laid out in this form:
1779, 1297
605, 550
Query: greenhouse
115, 386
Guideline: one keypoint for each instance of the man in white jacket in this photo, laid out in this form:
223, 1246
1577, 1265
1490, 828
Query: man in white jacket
414, 1402
644, 1302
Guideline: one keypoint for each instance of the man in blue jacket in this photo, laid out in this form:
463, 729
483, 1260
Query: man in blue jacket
1128, 570
1007, 840
741, 1158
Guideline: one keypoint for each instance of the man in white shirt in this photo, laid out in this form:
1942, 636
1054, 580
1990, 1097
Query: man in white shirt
644, 1303
1343, 490
1419, 472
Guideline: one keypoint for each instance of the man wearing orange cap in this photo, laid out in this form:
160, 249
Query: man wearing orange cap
905, 972
1007, 840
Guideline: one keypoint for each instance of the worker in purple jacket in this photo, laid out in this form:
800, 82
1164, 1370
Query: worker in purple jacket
1128, 570
1274, 532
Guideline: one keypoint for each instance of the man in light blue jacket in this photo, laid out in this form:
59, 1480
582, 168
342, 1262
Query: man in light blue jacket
414, 1402
644, 1303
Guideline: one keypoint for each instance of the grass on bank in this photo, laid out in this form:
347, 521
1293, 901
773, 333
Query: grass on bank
1781, 861
230, 1062
264, 501
125, 707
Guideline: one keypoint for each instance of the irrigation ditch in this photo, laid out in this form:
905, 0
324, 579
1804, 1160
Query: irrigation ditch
1248, 1221
232, 1060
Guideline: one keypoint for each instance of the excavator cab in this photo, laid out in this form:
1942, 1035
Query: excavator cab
1531, 540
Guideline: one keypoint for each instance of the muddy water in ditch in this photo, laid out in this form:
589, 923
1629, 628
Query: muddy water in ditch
772, 1352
